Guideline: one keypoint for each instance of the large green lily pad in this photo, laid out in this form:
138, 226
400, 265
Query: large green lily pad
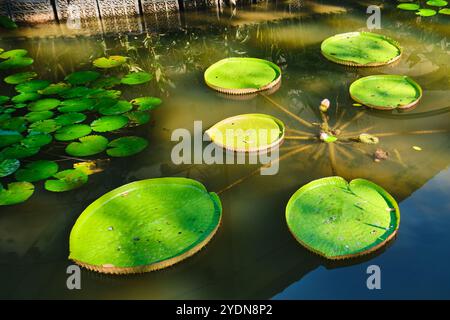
16, 62
66, 180
37, 171
82, 77
106, 83
76, 105
8, 167
44, 126
20, 77
25, 97
386, 92
126, 146
55, 88
15, 53
437, 3
136, 78
247, 132
426, 12
339, 220
408, 6
145, 225
111, 62
109, 123
38, 116
361, 49
137, 118
87, 146
17, 192
36, 140
242, 75
14, 124
72, 132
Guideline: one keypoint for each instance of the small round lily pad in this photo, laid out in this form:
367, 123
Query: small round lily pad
16, 62
126, 146
361, 49
8, 167
247, 132
76, 105
32, 85
82, 77
138, 118
426, 12
55, 88
172, 219
37, 171
146, 103
36, 140
109, 123
14, 124
38, 116
340, 220
9, 137
44, 104
70, 118
106, 83
3, 100
66, 180
21, 77
13, 53
18, 151
386, 92
72, 132
445, 11
136, 78
44, 126
242, 75
119, 107
437, 3
87, 146
408, 6
15, 193
25, 97
110, 62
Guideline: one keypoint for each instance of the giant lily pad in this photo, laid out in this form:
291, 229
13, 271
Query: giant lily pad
339, 220
9, 137
247, 132
37, 171
145, 225
109, 123
82, 77
126, 146
72, 132
111, 62
8, 166
17, 192
242, 75
361, 49
136, 78
87, 146
66, 180
386, 92
20, 77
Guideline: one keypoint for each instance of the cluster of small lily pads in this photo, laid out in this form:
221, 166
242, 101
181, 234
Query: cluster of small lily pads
77, 112
431, 8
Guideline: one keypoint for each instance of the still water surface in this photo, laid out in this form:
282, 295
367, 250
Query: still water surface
253, 254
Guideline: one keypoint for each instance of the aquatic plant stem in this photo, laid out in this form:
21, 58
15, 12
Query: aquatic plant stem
276, 104
251, 174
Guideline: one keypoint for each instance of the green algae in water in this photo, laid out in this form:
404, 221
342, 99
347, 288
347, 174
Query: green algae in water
339, 220
145, 225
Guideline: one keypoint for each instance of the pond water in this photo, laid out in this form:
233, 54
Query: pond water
253, 255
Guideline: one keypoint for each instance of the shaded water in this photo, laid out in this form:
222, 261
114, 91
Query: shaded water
253, 254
